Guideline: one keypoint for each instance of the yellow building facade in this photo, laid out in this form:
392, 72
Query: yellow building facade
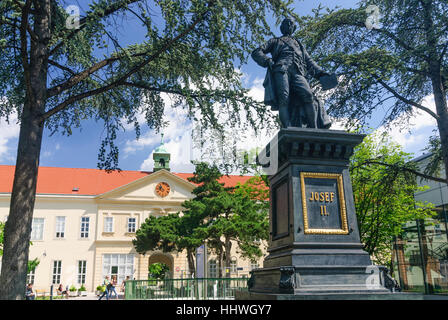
80, 237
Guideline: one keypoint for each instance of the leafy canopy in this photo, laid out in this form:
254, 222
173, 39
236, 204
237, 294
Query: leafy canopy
384, 194
390, 68
189, 50
389, 62
215, 214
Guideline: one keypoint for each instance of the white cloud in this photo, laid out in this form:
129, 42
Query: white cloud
176, 136
423, 119
178, 123
413, 136
8, 133
257, 89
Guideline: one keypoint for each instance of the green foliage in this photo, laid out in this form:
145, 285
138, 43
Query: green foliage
72, 288
384, 194
238, 213
32, 264
393, 67
101, 288
190, 50
82, 288
158, 270
215, 215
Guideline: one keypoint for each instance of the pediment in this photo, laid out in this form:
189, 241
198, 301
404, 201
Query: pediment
144, 189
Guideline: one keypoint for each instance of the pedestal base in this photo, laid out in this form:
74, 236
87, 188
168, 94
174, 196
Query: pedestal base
314, 246
326, 279
244, 295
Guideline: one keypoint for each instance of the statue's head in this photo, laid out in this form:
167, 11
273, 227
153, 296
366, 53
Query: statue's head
287, 27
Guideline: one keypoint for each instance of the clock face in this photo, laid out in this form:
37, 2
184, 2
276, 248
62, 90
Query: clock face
163, 189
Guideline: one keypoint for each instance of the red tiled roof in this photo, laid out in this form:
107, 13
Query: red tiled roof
54, 180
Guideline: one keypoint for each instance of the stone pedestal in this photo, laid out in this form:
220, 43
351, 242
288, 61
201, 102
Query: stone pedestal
314, 245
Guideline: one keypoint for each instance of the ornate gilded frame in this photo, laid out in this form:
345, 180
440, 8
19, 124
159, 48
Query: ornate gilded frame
342, 207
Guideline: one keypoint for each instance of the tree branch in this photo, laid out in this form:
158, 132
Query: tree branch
419, 174
385, 32
405, 100
114, 7
123, 78
79, 77
54, 63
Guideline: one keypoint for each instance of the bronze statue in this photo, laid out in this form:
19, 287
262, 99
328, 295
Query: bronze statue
286, 87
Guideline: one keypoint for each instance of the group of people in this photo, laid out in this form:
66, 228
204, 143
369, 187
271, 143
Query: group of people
109, 284
31, 295
110, 287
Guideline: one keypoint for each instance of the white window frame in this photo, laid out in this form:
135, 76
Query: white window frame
108, 226
84, 229
132, 226
82, 271
35, 230
233, 264
30, 276
254, 265
60, 231
124, 264
212, 268
56, 272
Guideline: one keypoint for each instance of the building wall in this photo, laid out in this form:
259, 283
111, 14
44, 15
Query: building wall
137, 200
437, 193
421, 252
69, 249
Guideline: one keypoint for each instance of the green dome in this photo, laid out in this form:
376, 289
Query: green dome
161, 149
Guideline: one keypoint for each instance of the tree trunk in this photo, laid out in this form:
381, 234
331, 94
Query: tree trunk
18, 226
220, 259
228, 247
435, 74
191, 264
442, 112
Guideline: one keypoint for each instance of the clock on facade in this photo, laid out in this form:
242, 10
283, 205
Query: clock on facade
163, 189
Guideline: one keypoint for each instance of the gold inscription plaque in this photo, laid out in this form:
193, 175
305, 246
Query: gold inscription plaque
323, 197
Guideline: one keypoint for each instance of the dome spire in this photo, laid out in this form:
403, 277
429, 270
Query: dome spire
161, 156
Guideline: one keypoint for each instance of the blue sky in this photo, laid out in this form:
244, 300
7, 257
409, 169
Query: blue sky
80, 150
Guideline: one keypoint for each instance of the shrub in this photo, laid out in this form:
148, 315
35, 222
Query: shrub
101, 288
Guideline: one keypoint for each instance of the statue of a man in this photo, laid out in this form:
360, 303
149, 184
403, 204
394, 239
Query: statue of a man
286, 87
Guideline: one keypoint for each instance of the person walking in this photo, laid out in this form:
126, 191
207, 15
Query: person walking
106, 283
123, 285
112, 286
29, 293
